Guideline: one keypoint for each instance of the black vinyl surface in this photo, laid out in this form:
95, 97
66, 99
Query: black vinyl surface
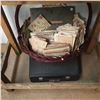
64, 14
56, 71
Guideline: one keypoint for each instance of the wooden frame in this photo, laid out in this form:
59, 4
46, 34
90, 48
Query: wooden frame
5, 65
95, 33
9, 85
98, 49
8, 32
33, 2
49, 85
12, 44
4, 78
40, 2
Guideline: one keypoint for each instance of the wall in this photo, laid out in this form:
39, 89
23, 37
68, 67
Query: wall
3, 38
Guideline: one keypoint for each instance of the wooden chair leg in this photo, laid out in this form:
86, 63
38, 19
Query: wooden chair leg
98, 49
5, 64
15, 69
95, 33
8, 32
4, 78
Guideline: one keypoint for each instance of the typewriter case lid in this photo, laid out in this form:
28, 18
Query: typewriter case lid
62, 14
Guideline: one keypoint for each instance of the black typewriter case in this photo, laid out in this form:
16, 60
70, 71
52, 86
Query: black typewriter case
69, 70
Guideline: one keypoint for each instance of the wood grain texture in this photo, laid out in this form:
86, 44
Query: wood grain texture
48, 85
32, 2
50, 2
51, 95
5, 63
14, 73
8, 32
95, 33
98, 49
4, 78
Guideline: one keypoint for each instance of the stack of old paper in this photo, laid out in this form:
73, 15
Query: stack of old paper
77, 21
55, 43
39, 24
40, 45
66, 34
